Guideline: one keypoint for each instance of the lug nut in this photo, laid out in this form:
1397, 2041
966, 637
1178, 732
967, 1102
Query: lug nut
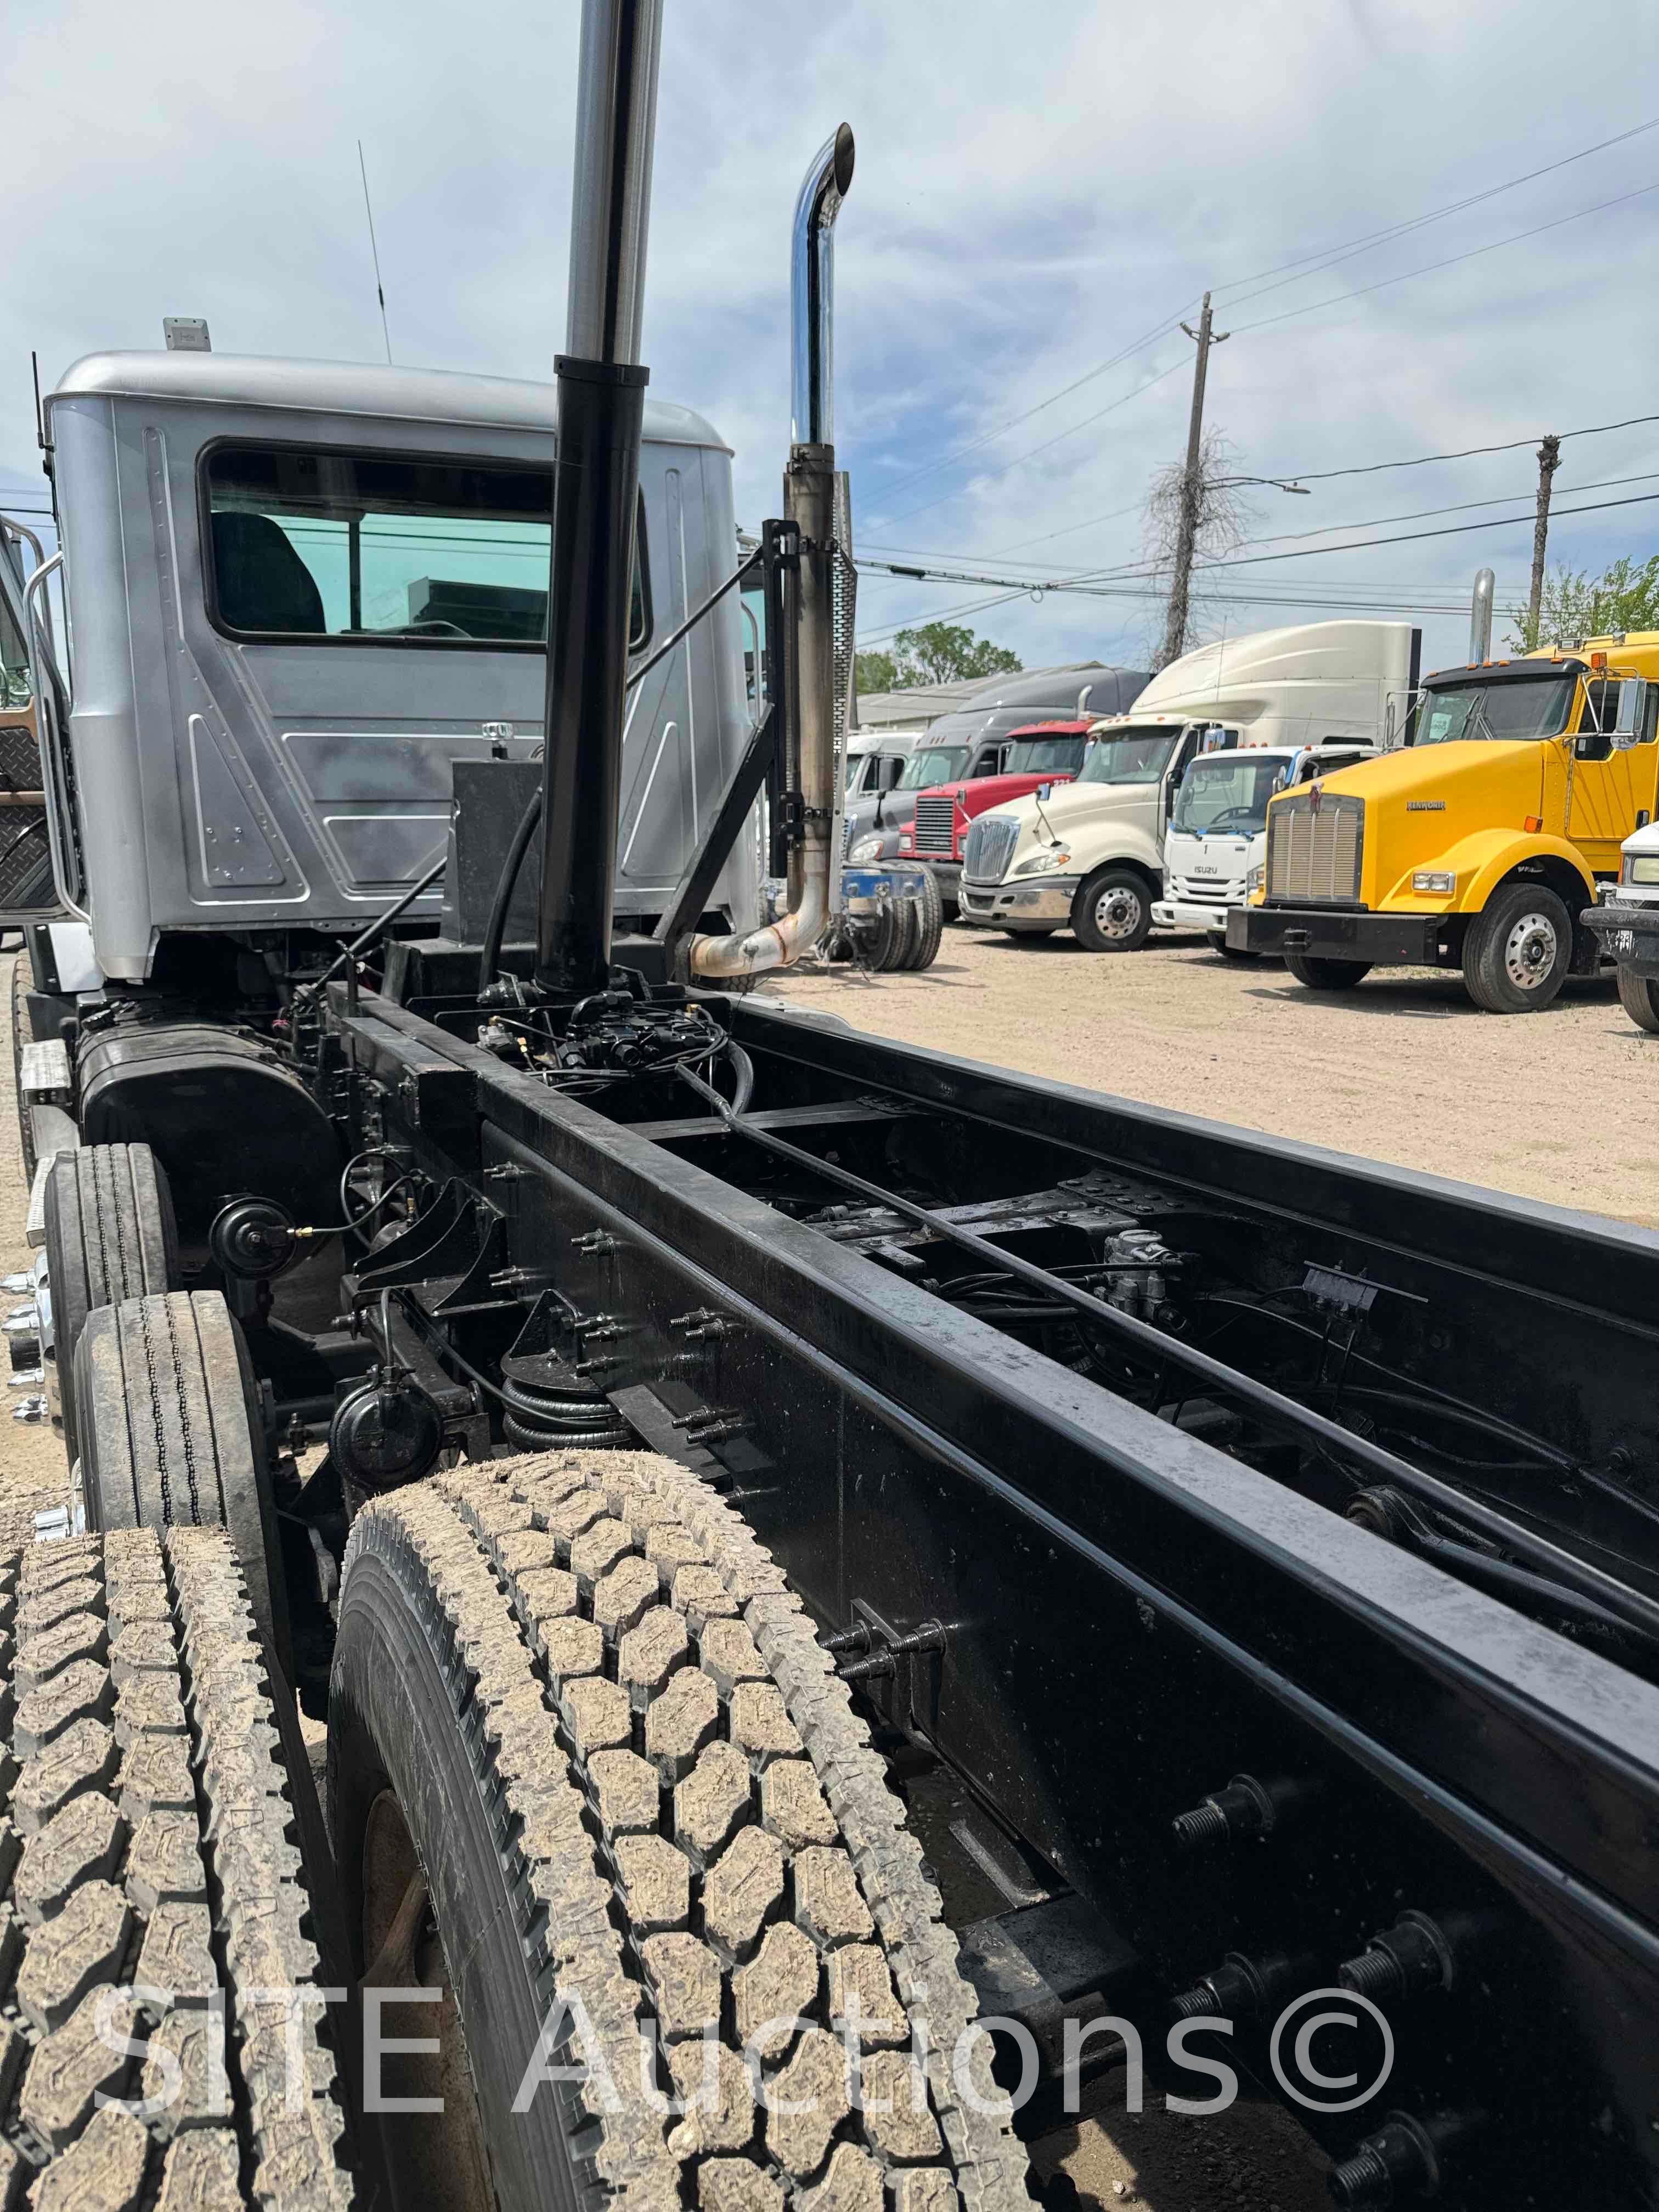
1403, 2158
1244, 1808
1406, 1959
1239, 1987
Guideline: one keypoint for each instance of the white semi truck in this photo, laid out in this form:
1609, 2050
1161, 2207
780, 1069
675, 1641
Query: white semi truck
1090, 856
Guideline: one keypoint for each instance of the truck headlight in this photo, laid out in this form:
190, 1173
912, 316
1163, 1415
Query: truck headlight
1254, 880
1046, 863
1639, 868
1437, 882
867, 848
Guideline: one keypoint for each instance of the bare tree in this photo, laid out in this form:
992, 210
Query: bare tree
1219, 519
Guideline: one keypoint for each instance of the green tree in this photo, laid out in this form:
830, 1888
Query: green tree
876, 672
1576, 605
939, 652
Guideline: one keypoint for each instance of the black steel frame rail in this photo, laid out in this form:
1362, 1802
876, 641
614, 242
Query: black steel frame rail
1470, 1707
1615, 1600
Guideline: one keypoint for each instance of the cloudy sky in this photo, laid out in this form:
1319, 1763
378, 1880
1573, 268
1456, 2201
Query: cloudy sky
1040, 191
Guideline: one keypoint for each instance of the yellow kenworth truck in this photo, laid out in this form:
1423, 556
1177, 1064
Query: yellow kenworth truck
1478, 842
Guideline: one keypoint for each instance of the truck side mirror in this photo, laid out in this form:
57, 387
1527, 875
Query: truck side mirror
889, 769
1045, 791
1631, 728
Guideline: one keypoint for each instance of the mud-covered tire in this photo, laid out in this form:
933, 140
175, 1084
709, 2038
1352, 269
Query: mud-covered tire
1640, 997
1316, 974
171, 1434
109, 1234
22, 1033
151, 1870
630, 1776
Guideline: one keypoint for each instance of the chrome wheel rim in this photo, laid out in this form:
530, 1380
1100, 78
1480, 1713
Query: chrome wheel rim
1117, 913
1530, 951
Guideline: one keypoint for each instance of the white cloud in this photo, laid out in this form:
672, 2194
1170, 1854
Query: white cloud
1036, 189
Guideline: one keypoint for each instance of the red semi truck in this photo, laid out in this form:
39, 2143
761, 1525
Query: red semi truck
1040, 753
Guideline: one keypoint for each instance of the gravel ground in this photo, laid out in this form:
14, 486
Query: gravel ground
1556, 1106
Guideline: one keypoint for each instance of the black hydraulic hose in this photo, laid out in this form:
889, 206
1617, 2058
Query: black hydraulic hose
490, 959
383, 921
1629, 1606
526, 829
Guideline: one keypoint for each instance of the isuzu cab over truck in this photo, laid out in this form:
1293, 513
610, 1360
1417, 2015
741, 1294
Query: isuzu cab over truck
1091, 858
1479, 844
1218, 832
859, 1598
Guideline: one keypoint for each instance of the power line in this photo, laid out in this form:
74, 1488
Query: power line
1327, 258
1312, 306
1324, 256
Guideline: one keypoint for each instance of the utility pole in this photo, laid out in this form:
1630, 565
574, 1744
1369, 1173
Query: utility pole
1549, 460
1192, 490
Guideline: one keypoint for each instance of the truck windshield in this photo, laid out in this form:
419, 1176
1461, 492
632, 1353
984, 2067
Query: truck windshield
1529, 707
936, 764
1227, 796
1129, 756
1045, 757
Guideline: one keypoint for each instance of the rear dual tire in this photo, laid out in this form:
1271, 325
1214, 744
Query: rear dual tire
168, 1865
109, 1234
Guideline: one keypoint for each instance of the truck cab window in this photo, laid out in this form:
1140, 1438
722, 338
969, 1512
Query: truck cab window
308, 543
1523, 708
1061, 756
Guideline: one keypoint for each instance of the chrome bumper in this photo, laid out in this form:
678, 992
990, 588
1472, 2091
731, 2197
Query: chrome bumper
1017, 906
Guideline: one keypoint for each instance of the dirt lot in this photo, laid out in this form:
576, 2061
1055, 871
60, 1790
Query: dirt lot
1557, 1106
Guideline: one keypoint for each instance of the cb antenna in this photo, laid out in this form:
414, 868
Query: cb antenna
379, 288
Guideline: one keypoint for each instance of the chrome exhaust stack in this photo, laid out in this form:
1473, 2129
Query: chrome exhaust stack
809, 489
1481, 616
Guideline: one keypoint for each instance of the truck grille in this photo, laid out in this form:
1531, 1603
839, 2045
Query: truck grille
989, 849
1316, 856
1216, 890
936, 821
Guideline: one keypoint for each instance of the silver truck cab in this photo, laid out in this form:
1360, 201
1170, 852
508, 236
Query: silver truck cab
298, 592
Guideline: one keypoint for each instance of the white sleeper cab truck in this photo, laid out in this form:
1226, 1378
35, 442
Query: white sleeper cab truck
1216, 845
1089, 856
1626, 920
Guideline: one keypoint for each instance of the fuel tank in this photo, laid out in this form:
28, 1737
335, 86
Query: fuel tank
221, 1112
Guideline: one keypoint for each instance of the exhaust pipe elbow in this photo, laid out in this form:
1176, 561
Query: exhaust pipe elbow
811, 291
776, 944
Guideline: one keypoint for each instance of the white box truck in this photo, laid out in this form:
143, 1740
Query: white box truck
1089, 856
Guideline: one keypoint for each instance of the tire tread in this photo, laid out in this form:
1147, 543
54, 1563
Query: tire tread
160, 1846
659, 1918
